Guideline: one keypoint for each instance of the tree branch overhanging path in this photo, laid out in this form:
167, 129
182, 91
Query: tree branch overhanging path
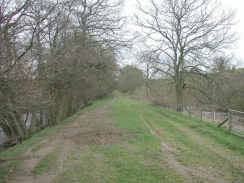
185, 34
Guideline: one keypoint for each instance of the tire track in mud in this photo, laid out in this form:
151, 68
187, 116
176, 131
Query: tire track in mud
168, 151
172, 159
215, 149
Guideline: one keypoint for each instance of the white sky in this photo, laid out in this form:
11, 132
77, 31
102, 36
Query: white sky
233, 4
238, 5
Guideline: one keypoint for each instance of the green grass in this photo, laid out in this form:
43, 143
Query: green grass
118, 163
47, 162
21, 148
137, 159
37, 148
125, 117
94, 105
7, 167
210, 150
139, 156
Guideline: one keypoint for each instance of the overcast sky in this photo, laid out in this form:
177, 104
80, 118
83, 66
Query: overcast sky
233, 4
238, 5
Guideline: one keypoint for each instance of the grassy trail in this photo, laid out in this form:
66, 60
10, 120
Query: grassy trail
124, 140
197, 151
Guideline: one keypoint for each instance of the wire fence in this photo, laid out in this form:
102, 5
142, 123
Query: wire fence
235, 119
212, 116
236, 122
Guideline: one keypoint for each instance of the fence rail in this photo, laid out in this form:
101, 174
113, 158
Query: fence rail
236, 122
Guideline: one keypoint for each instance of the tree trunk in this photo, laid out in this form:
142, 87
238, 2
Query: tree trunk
41, 121
8, 130
147, 91
147, 80
14, 120
71, 104
17, 129
24, 129
52, 117
33, 122
62, 112
179, 100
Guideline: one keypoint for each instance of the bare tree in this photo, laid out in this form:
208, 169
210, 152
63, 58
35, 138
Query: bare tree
185, 34
99, 22
148, 67
17, 33
55, 57
223, 64
79, 40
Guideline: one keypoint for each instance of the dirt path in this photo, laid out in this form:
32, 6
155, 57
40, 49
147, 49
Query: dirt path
86, 129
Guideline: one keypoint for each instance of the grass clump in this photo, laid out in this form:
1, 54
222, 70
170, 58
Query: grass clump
37, 148
47, 162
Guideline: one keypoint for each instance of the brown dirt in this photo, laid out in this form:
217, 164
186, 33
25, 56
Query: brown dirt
89, 128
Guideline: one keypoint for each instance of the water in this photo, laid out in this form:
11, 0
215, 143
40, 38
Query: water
3, 137
27, 118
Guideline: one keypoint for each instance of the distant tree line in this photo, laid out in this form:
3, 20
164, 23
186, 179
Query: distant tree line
220, 88
130, 78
